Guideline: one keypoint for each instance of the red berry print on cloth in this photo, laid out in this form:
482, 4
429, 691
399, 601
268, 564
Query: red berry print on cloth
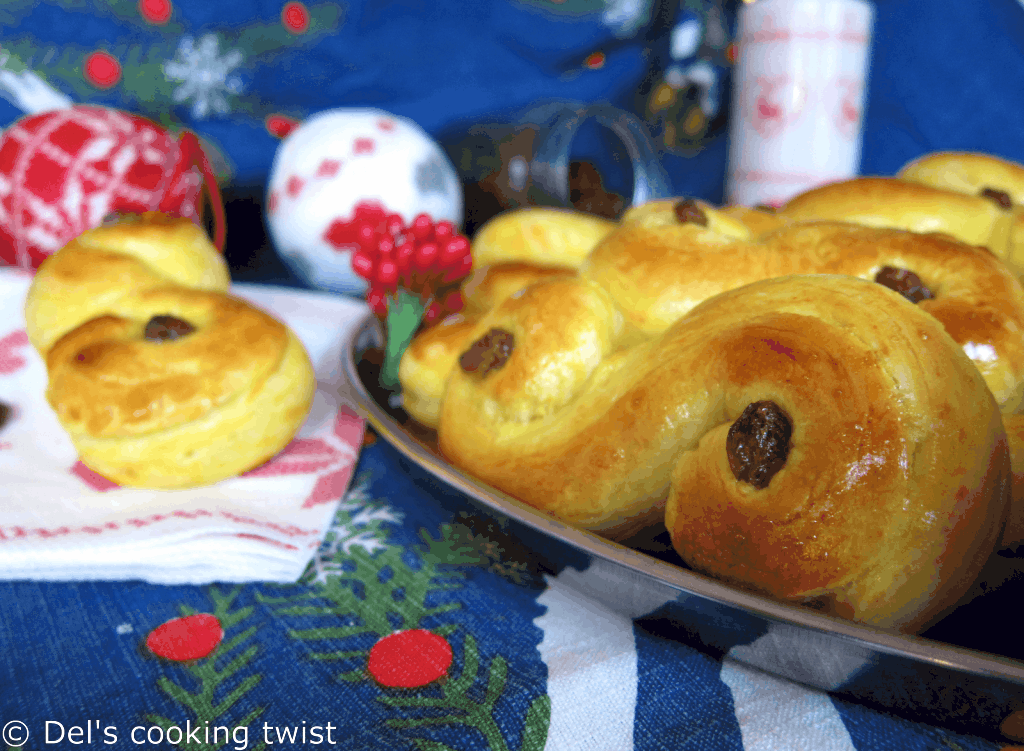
155, 11
409, 659
10, 360
280, 126
102, 70
386, 125
189, 638
295, 17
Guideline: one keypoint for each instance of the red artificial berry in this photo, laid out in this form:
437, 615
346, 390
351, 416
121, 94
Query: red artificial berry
409, 659
459, 269
394, 225
366, 233
340, 234
403, 256
385, 245
370, 211
378, 301
433, 312
362, 264
183, 639
444, 231
453, 302
425, 257
387, 273
422, 228
452, 252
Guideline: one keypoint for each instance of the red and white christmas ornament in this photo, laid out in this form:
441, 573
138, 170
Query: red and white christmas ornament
342, 158
63, 171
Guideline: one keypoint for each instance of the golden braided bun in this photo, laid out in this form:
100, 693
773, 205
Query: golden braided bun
896, 450
158, 383
850, 457
667, 257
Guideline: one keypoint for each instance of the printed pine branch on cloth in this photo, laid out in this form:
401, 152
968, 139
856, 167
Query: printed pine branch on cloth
374, 594
461, 708
197, 642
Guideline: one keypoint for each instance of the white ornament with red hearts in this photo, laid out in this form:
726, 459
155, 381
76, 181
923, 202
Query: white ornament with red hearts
338, 159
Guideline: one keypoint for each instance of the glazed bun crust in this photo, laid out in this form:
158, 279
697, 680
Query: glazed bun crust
966, 172
898, 204
657, 269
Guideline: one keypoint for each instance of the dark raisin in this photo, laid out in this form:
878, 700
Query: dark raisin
6, 412
489, 352
904, 281
688, 212
758, 443
167, 329
1000, 197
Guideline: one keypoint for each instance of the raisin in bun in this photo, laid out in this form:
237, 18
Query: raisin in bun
160, 381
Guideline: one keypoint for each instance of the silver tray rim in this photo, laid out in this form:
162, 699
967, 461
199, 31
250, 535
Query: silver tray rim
918, 649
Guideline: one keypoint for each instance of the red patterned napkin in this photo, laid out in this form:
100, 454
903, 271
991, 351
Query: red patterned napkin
59, 520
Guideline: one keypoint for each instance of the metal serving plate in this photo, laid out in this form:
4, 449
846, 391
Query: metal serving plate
920, 678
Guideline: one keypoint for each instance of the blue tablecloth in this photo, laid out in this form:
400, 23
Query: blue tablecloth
547, 652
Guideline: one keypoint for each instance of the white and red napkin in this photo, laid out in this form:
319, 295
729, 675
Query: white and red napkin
61, 521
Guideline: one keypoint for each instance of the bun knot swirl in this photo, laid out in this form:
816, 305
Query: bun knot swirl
873, 457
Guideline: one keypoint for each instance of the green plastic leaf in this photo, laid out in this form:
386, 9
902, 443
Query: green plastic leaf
404, 316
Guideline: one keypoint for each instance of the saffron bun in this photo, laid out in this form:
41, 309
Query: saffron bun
656, 266
563, 404
539, 235
970, 173
894, 485
160, 378
976, 198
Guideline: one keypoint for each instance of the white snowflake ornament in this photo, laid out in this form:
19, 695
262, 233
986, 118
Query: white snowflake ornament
343, 157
